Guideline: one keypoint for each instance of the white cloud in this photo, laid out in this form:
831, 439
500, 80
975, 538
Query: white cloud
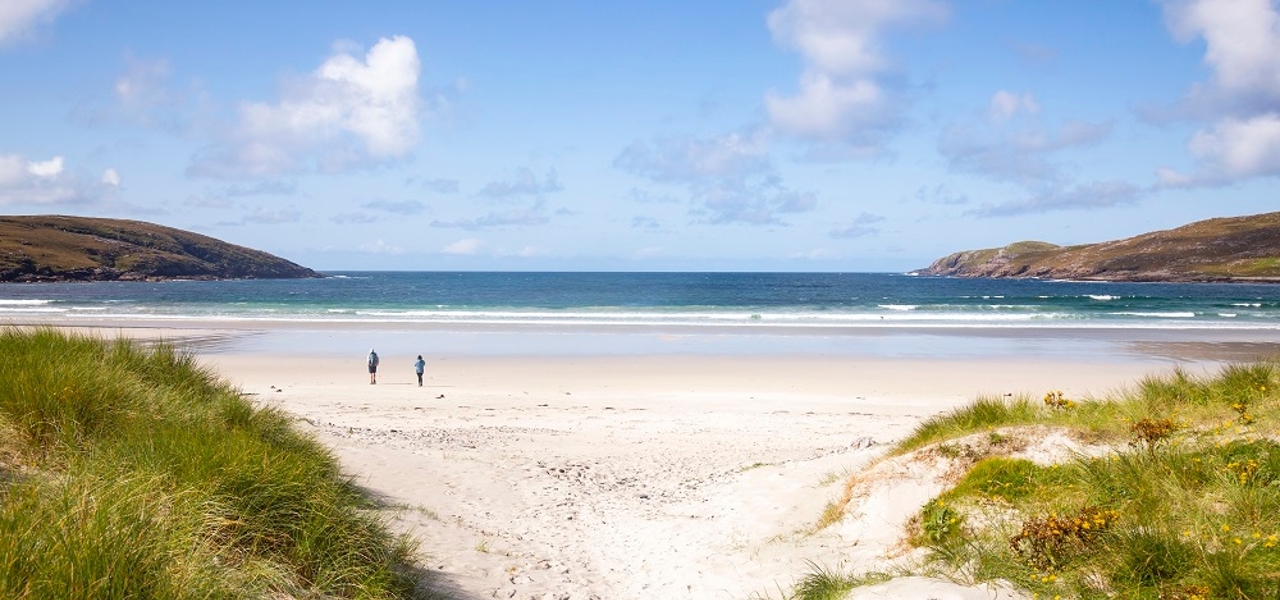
17, 17
843, 97
24, 181
1242, 47
348, 111
826, 109
843, 36
46, 169
1238, 148
111, 177
1242, 41
463, 247
1006, 105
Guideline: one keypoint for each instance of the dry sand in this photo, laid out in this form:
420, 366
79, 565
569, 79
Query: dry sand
630, 477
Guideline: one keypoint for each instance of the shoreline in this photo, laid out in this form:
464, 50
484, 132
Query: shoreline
336, 339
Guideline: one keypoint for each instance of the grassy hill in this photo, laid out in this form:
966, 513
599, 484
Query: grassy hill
61, 248
1226, 249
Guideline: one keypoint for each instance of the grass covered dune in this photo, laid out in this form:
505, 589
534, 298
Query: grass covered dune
1167, 491
129, 472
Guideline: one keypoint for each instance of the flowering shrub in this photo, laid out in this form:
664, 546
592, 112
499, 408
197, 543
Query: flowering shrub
1048, 542
1152, 431
1058, 400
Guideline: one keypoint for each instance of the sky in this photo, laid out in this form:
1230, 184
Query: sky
666, 135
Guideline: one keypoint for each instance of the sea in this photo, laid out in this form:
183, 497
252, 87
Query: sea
772, 304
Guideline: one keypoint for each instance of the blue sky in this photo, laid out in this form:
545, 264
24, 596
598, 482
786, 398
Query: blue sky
794, 135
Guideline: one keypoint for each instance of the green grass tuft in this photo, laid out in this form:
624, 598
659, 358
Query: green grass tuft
130, 472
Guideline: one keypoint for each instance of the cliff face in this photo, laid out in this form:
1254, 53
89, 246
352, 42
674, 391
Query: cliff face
60, 248
1227, 249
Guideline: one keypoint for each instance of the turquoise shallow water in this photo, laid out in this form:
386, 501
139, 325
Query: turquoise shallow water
865, 314
751, 300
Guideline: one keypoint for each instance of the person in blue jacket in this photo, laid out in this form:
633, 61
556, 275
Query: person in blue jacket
418, 367
373, 367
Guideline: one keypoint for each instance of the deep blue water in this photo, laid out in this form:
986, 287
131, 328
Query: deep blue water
732, 299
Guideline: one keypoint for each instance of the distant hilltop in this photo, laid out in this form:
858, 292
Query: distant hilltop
61, 248
1241, 249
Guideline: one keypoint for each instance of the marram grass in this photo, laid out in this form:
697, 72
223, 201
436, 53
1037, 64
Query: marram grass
1186, 506
129, 472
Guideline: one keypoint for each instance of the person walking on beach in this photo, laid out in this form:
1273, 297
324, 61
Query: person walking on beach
373, 367
418, 367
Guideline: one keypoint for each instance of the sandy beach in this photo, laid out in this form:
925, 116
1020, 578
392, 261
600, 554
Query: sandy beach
528, 473
643, 476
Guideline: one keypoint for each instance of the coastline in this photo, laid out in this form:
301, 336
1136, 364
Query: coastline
596, 462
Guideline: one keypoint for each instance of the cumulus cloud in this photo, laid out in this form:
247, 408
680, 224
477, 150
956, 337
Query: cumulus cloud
1242, 42
1232, 150
729, 178
844, 95
350, 111
18, 17
1242, 49
524, 183
48, 182
46, 169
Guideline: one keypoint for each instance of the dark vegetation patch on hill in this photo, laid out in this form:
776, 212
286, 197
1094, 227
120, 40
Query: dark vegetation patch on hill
63, 248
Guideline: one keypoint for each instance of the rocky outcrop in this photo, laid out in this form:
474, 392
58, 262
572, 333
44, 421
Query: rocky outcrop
62, 248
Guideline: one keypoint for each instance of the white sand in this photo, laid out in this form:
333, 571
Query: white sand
633, 477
